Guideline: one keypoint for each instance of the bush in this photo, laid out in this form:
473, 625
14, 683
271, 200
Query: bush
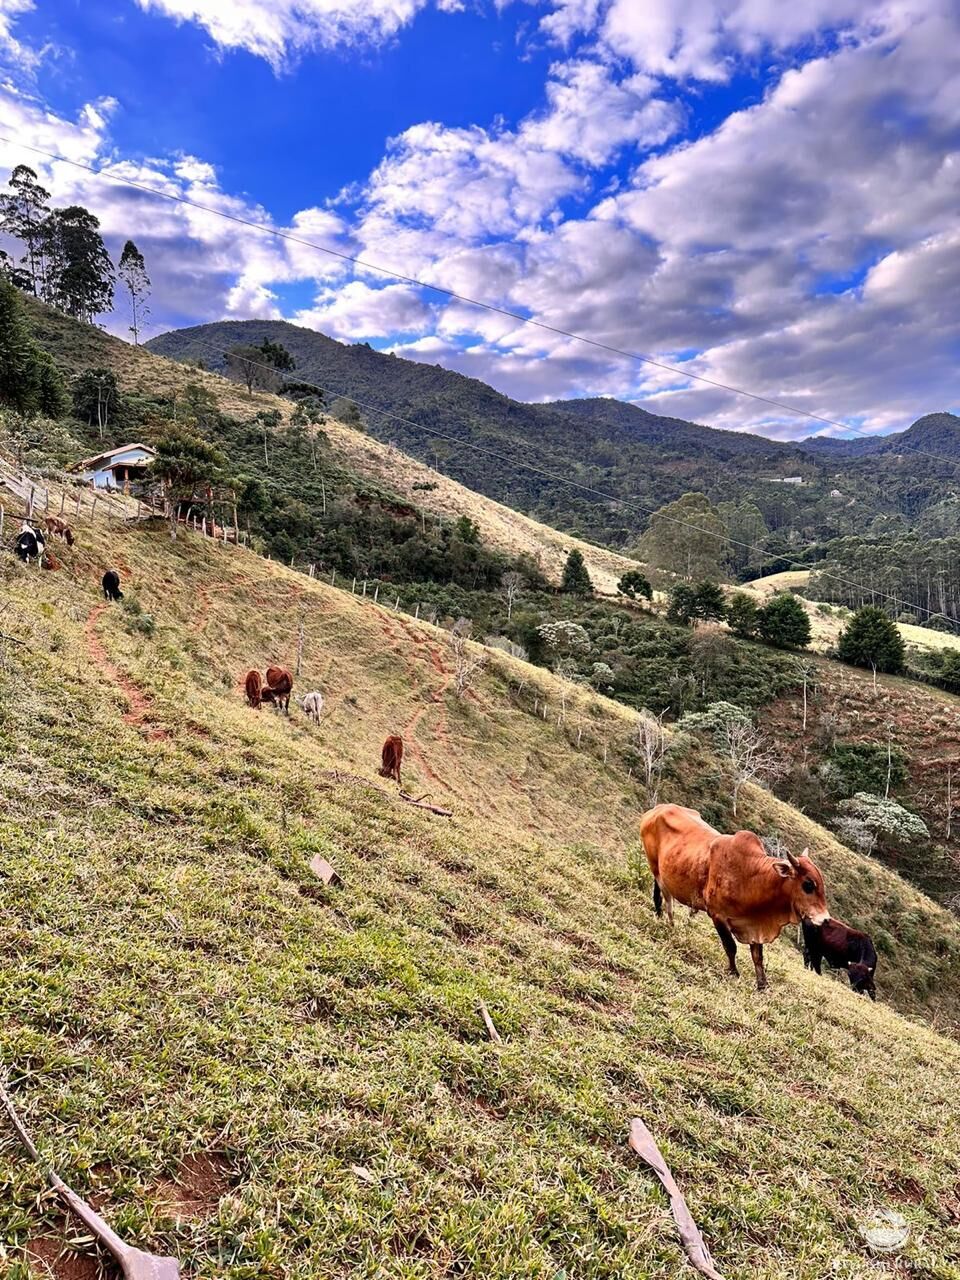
872, 640
862, 766
784, 623
887, 819
702, 603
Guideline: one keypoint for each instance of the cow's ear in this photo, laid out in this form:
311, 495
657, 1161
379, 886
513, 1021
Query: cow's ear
783, 869
806, 852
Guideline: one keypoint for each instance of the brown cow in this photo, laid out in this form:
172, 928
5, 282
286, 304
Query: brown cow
59, 527
391, 759
749, 896
278, 688
254, 688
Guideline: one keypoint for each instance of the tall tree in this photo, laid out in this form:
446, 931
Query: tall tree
23, 212
29, 380
185, 464
132, 271
276, 354
687, 537
871, 639
245, 363
96, 395
80, 274
784, 622
576, 578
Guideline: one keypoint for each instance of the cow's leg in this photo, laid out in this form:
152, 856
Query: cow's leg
729, 945
756, 954
657, 900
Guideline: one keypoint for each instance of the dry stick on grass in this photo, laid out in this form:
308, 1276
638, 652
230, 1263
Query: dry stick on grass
642, 1142
492, 1031
134, 1263
430, 808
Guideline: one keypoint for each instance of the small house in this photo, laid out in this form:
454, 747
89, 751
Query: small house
122, 468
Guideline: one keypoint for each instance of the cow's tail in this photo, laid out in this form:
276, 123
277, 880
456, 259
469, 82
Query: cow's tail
657, 898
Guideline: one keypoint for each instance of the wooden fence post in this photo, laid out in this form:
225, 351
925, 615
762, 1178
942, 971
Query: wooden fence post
63, 502
364, 586
203, 527
417, 611
376, 594
396, 605
333, 578
2, 514
354, 587
30, 505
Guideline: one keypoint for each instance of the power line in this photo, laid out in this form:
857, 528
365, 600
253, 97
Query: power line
633, 504
435, 288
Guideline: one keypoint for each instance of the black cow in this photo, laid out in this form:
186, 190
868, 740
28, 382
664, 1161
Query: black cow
842, 948
30, 544
111, 585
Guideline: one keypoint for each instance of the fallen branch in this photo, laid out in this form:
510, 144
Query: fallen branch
339, 777
642, 1142
430, 808
13, 639
134, 1263
492, 1031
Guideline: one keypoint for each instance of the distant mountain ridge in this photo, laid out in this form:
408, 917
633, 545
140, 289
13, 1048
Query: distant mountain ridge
596, 467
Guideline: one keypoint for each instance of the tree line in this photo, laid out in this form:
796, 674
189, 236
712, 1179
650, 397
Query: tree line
63, 259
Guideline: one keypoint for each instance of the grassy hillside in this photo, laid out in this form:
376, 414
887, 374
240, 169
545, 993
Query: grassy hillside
272, 1079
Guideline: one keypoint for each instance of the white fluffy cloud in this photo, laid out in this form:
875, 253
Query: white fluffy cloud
274, 29
697, 38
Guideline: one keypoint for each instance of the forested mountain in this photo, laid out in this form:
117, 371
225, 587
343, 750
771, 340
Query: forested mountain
584, 450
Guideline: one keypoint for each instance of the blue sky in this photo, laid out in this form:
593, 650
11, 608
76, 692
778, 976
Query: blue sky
764, 193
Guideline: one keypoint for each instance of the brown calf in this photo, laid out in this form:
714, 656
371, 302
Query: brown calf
55, 525
253, 685
391, 759
278, 688
749, 896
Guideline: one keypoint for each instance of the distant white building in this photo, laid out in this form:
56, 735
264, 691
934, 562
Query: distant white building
786, 479
118, 468
835, 493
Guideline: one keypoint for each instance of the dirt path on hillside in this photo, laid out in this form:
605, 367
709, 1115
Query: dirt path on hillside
140, 704
432, 656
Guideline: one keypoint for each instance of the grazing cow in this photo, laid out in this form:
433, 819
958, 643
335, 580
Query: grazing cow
59, 528
842, 948
749, 896
253, 687
312, 705
29, 544
391, 759
278, 688
111, 585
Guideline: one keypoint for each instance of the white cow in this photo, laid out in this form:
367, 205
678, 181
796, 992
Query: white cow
312, 705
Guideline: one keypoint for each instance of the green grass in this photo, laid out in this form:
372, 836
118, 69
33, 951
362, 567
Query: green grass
176, 982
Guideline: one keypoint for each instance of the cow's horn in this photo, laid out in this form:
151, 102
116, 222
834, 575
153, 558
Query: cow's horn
794, 862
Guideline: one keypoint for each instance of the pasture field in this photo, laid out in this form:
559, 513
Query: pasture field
272, 1079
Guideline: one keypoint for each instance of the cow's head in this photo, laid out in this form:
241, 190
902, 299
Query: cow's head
805, 887
861, 979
